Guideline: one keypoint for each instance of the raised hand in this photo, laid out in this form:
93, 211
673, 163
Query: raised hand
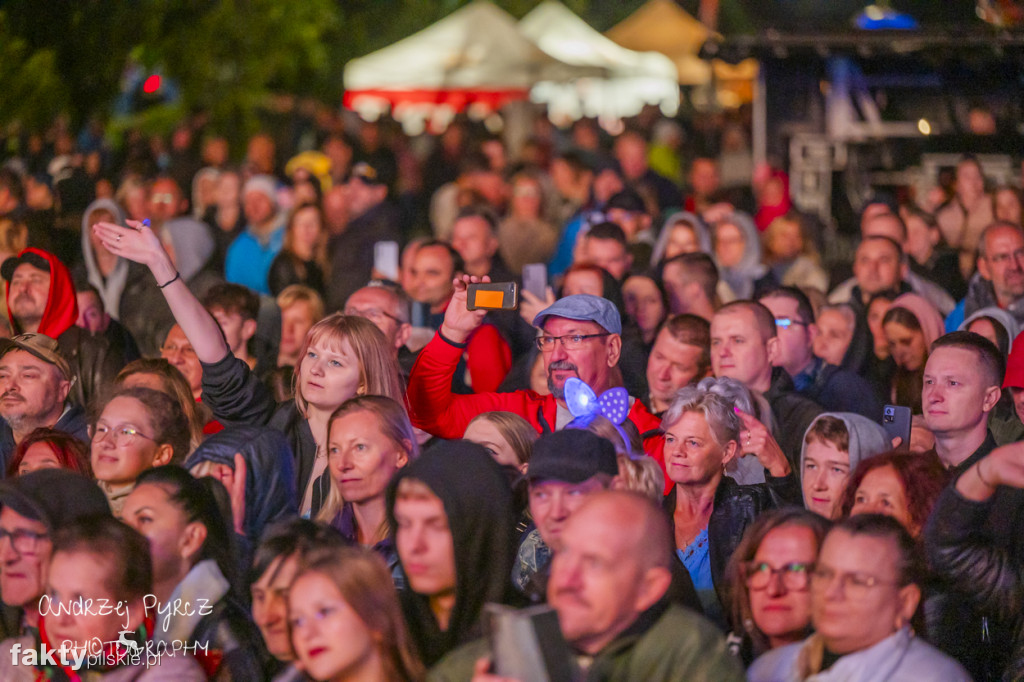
758, 441
459, 323
136, 242
234, 481
530, 305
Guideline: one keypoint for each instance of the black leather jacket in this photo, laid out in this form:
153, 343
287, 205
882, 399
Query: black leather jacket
735, 507
228, 633
977, 550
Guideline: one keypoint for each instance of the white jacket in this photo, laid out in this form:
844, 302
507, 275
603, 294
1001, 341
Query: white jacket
900, 657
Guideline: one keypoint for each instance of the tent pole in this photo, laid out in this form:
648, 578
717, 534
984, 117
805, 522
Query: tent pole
759, 120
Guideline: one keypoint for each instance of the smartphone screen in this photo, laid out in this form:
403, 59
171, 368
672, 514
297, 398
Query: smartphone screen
385, 259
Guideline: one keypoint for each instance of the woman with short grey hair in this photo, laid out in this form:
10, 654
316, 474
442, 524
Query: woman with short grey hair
707, 428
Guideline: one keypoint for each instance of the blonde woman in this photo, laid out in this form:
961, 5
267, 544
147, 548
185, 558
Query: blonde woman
342, 356
369, 438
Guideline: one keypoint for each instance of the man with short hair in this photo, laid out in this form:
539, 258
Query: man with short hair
581, 336
35, 381
33, 507
691, 280
605, 246
451, 517
880, 265
962, 380
475, 237
999, 280
41, 299
745, 347
301, 308
389, 309
236, 310
249, 257
565, 468
372, 219
835, 389
609, 584
488, 357
680, 356
630, 151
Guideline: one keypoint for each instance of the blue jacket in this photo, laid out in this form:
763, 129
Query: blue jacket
248, 260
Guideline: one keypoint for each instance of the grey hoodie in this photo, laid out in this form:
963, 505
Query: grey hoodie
741, 276
1003, 317
867, 438
112, 287
699, 228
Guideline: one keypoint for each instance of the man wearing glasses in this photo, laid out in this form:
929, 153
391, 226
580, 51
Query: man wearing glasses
580, 336
835, 389
35, 381
33, 508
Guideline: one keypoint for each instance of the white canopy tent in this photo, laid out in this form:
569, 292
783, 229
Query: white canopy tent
474, 59
634, 78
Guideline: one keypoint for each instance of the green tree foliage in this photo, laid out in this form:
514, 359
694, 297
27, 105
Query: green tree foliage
232, 59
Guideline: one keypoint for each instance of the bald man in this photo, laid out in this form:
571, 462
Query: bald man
610, 576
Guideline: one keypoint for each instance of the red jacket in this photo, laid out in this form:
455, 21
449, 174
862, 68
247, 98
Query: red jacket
435, 409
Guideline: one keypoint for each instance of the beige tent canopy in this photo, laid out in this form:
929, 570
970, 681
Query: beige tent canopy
665, 27
475, 58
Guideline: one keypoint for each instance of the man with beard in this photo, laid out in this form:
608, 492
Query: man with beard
34, 384
581, 336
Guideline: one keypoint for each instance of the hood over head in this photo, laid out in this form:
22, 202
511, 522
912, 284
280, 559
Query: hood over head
112, 286
61, 306
699, 229
269, 479
1008, 321
478, 502
867, 438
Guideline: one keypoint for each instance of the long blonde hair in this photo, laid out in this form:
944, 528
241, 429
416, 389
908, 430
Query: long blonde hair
364, 583
393, 422
378, 368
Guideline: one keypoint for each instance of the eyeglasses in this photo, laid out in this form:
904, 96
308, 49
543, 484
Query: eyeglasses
163, 198
23, 541
787, 322
187, 351
569, 342
373, 314
856, 585
124, 435
795, 575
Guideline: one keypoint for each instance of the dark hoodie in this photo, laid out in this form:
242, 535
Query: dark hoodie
90, 358
269, 479
478, 502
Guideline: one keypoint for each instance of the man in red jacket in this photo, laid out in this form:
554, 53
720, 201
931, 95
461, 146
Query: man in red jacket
580, 337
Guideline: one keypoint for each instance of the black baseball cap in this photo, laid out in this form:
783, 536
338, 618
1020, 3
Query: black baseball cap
56, 497
12, 263
572, 456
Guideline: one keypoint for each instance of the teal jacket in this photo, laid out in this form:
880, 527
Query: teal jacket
666, 644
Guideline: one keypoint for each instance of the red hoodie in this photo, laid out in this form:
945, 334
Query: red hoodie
61, 307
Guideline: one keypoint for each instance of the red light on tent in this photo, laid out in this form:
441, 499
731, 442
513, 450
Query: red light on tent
151, 85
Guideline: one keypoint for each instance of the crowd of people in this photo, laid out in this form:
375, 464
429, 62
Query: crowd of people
254, 430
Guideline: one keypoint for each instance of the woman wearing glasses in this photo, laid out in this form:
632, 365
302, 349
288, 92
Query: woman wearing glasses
704, 433
342, 356
138, 429
770, 578
865, 589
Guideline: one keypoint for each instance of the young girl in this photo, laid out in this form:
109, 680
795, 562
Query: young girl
345, 620
138, 429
